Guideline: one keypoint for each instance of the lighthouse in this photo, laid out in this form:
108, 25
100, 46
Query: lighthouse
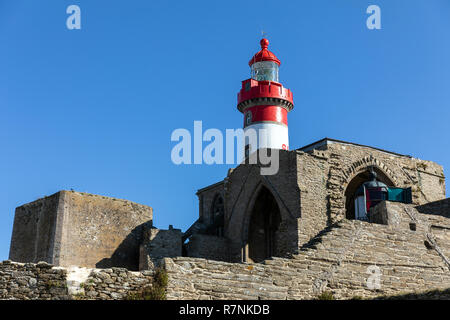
265, 103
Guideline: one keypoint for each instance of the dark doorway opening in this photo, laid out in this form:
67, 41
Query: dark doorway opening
264, 222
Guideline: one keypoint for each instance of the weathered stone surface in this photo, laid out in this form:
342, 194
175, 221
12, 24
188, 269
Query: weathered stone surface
342, 264
158, 244
311, 191
22, 282
72, 228
208, 246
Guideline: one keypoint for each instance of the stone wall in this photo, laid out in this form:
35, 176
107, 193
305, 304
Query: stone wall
194, 278
158, 244
345, 258
313, 181
33, 237
42, 281
207, 246
434, 228
72, 228
441, 207
32, 281
111, 284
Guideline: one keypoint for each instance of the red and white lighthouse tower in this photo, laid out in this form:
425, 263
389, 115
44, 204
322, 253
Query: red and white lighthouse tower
265, 103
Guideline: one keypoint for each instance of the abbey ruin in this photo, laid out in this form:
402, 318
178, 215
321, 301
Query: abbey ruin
338, 217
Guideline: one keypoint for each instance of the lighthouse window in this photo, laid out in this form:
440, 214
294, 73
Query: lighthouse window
248, 118
265, 71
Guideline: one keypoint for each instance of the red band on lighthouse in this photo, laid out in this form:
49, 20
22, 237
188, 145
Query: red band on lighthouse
275, 114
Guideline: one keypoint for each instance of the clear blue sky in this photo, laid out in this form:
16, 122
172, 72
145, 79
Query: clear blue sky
94, 109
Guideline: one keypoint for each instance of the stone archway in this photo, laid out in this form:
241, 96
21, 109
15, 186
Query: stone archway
362, 164
264, 222
361, 177
340, 177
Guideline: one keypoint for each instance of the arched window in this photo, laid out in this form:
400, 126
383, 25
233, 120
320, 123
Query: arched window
217, 216
366, 189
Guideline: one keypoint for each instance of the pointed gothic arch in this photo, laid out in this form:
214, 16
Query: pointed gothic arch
262, 223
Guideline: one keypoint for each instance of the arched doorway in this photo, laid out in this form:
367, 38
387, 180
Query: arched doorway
353, 188
265, 219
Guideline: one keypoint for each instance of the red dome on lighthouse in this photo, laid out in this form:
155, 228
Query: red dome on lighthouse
264, 54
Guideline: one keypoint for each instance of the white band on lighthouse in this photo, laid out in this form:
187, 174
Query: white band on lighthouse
274, 136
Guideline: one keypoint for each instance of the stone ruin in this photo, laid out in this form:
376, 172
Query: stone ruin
293, 235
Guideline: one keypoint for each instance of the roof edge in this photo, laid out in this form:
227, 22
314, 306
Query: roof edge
210, 187
323, 141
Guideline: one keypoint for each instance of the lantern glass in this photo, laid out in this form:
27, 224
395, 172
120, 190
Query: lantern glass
265, 71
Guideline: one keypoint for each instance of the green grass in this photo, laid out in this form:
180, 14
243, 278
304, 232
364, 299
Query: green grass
156, 291
326, 295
